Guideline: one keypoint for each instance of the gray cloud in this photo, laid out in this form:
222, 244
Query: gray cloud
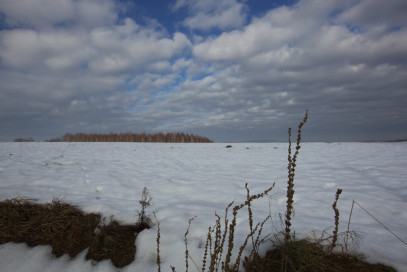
89, 70
44, 14
374, 13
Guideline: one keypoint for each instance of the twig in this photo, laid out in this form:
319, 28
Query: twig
378, 221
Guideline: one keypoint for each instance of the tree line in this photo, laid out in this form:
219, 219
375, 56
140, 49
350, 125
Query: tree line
170, 137
19, 140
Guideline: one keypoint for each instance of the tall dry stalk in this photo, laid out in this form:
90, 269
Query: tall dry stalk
290, 187
291, 174
335, 232
249, 209
186, 244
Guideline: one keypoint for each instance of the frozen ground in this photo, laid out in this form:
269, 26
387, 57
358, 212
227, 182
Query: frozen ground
188, 180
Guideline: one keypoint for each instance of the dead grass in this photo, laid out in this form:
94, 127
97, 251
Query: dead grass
67, 230
307, 256
63, 226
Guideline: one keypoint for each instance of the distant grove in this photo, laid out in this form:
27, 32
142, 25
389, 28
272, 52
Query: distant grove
170, 137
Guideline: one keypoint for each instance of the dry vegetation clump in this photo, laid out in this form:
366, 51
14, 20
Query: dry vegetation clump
68, 230
308, 256
63, 226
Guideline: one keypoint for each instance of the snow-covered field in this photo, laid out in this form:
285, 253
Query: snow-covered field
195, 180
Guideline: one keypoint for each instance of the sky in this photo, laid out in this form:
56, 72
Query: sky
230, 70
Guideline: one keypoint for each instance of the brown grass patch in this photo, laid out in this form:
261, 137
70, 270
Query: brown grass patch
63, 226
68, 230
303, 255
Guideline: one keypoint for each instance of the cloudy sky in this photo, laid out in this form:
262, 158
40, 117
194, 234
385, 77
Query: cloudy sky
230, 70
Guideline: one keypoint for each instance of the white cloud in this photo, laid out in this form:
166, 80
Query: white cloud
159, 66
93, 13
223, 19
42, 50
237, 44
209, 14
181, 64
110, 49
278, 28
131, 47
109, 64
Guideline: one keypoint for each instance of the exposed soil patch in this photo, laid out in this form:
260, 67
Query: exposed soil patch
115, 242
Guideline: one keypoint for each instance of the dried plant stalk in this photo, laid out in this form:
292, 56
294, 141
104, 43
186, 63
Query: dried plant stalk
335, 232
206, 250
186, 244
290, 188
249, 209
291, 174
233, 224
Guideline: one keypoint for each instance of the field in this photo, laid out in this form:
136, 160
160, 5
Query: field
196, 180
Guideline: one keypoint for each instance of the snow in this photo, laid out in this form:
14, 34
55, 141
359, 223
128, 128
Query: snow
195, 181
